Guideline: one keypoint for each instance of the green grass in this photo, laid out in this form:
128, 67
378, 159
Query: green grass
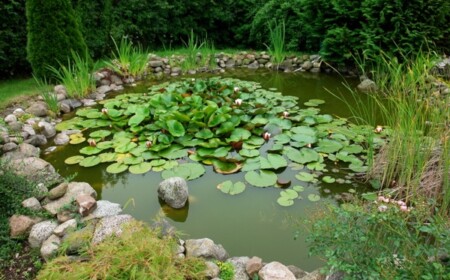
277, 42
129, 60
17, 90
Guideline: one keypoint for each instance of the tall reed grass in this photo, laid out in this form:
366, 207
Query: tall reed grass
76, 75
415, 161
276, 48
192, 46
47, 95
129, 60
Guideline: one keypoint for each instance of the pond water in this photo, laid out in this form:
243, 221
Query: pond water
248, 224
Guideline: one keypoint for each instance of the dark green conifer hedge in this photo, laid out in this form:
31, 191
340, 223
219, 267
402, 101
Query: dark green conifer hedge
53, 33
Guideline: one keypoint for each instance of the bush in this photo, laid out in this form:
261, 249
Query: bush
137, 254
13, 190
53, 33
13, 39
381, 241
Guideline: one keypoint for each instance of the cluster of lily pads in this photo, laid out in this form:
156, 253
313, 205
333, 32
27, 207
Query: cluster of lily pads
236, 126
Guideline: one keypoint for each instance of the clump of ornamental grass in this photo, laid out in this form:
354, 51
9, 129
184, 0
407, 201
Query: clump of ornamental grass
277, 40
128, 60
137, 254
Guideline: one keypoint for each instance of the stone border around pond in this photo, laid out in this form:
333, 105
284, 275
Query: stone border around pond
31, 127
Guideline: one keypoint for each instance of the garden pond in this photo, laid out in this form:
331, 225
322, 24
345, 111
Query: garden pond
255, 159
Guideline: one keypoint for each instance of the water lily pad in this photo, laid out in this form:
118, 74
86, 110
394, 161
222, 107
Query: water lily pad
239, 134
90, 161
314, 102
305, 177
175, 128
285, 201
73, 160
298, 188
108, 157
282, 139
140, 168
328, 146
132, 160
353, 149
231, 188
136, 120
204, 134
263, 178
251, 164
189, 171
249, 153
125, 148
105, 145
116, 168
174, 152
90, 150
100, 134
313, 197
273, 161
225, 167
289, 194
328, 179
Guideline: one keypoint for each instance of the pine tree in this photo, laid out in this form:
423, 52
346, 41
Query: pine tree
53, 33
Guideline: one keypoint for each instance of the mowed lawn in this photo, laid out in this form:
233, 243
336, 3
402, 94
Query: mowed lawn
16, 90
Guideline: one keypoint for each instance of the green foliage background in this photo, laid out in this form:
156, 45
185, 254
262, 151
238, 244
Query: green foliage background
337, 29
53, 33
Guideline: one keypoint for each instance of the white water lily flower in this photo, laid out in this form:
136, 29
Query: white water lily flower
236, 89
238, 102
285, 114
378, 129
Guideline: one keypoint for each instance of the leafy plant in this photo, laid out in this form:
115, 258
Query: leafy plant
137, 254
48, 95
76, 75
129, 60
226, 270
276, 48
193, 46
381, 240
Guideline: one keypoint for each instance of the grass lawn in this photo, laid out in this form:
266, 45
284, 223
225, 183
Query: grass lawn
16, 90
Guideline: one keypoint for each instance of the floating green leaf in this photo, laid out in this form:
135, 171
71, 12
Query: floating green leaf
90, 161
249, 153
90, 150
305, 177
328, 179
116, 168
313, 197
140, 168
328, 146
285, 201
73, 160
263, 178
175, 128
231, 188
100, 134
273, 161
188, 171
289, 194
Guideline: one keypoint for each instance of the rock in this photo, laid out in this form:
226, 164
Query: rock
8, 147
205, 248
4, 137
60, 97
57, 191
105, 208
338, 275
40, 232
61, 139
38, 109
73, 103
10, 118
60, 89
20, 225
88, 102
64, 107
156, 63
18, 112
50, 247
65, 227
28, 129
104, 89
108, 226
192, 72
35, 169
40, 191
15, 126
86, 204
298, 273
48, 129
79, 240
116, 80
212, 270
174, 192
164, 228
32, 203
36, 140
286, 65
367, 85
176, 70
307, 65
315, 275
315, 70
253, 65
253, 265
275, 271
230, 63
64, 216
239, 264
73, 190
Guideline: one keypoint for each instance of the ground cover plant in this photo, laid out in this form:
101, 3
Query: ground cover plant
137, 254
176, 128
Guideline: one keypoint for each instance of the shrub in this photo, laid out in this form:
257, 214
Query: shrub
53, 33
13, 39
137, 254
380, 241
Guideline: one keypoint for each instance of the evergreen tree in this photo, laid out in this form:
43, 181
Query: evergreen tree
53, 32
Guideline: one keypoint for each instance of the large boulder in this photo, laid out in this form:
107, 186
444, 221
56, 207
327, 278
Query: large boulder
174, 192
24, 150
104, 209
35, 169
253, 265
74, 189
239, 264
39, 109
65, 227
367, 85
298, 272
37, 140
61, 139
205, 248
58, 191
50, 247
32, 203
40, 232
20, 225
275, 271
111, 225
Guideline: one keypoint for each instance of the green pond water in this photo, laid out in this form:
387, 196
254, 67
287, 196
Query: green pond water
248, 224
